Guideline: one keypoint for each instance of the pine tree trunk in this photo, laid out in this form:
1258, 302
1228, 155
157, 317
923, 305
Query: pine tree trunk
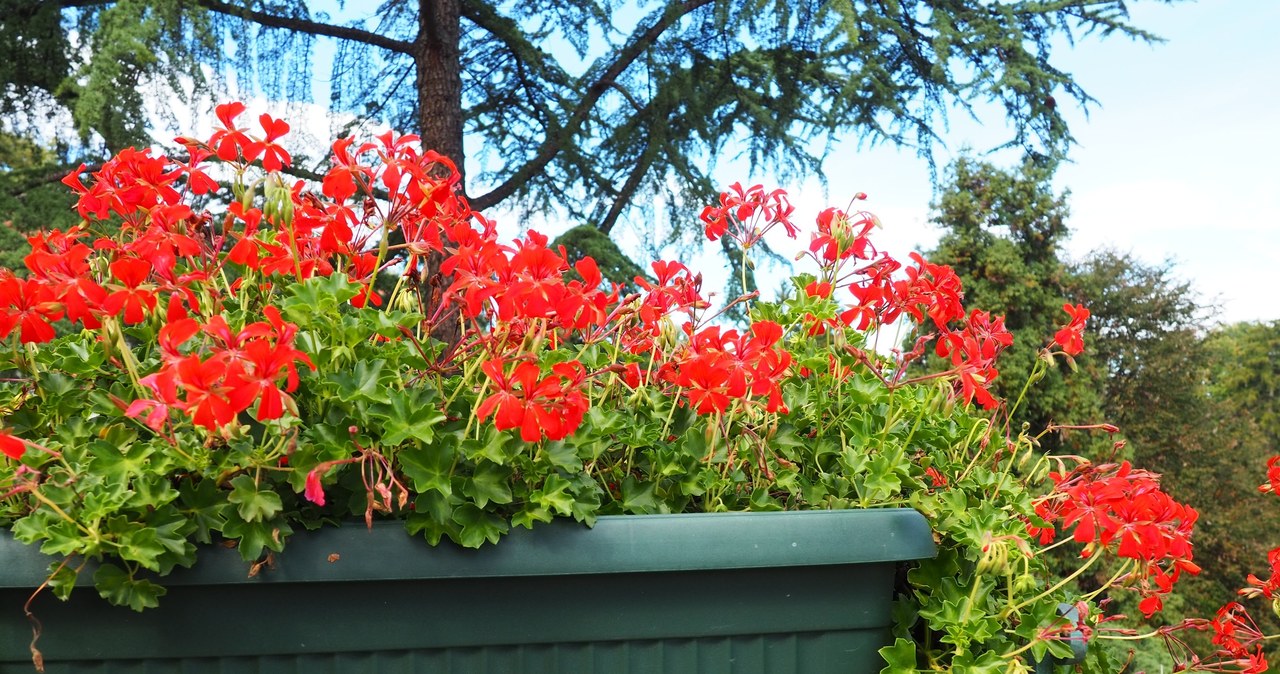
439, 82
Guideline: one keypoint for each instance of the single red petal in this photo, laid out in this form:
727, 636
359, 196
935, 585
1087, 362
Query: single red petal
131, 271
11, 446
314, 491
227, 113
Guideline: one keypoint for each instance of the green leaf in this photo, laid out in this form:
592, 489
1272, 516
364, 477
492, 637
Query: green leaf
531, 515
638, 497
411, 414
882, 481
122, 589
388, 323
62, 579
478, 526
488, 483
118, 456
137, 543
172, 527
986, 663
432, 517
554, 495
253, 504
563, 455
429, 466
57, 384
202, 504
151, 491
62, 537
362, 382
901, 657
496, 446
255, 537
317, 296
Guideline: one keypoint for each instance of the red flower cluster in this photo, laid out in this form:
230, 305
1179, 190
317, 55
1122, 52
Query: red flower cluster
719, 367
1114, 505
973, 351
924, 291
163, 248
525, 283
1273, 477
552, 405
1270, 587
675, 291
240, 368
1235, 632
840, 236
747, 215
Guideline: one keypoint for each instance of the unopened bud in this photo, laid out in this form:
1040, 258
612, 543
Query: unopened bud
277, 200
842, 232
668, 334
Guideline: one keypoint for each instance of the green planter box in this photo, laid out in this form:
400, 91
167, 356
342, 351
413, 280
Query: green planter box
735, 592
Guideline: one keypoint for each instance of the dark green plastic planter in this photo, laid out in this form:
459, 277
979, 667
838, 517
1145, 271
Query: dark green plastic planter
735, 592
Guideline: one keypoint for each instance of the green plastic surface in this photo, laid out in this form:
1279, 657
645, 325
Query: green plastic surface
743, 592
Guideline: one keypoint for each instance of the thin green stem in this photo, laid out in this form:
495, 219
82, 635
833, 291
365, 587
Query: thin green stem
1057, 586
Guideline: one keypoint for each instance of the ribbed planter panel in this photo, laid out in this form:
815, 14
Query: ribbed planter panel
802, 592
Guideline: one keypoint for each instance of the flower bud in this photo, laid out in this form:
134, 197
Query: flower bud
668, 334
277, 200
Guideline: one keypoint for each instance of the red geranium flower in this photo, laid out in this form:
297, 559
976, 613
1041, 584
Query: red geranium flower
1071, 337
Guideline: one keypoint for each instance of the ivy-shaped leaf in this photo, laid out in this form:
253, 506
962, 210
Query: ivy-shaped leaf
122, 589
410, 414
478, 526
488, 483
428, 466
253, 503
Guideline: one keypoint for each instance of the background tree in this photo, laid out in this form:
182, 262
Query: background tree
30, 195
1192, 403
1246, 373
1003, 232
662, 87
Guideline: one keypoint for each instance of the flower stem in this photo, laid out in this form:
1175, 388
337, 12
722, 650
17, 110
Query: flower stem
1057, 586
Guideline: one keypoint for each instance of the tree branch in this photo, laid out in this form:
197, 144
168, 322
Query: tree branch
628, 189
52, 175
484, 16
286, 22
528, 57
307, 26
554, 142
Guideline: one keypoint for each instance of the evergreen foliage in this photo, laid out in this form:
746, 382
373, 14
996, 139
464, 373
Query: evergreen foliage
1003, 232
1247, 373
31, 197
583, 106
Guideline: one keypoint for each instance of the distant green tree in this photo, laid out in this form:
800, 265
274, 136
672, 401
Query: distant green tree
31, 198
1146, 348
1003, 231
1198, 406
1247, 373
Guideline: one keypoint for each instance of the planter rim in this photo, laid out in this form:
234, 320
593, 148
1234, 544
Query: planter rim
616, 544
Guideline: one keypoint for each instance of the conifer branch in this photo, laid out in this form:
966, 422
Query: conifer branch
642, 39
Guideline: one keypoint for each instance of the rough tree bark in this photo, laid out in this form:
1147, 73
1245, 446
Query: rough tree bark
436, 58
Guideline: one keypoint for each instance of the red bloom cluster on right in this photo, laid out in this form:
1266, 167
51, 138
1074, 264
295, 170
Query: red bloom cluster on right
1117, 506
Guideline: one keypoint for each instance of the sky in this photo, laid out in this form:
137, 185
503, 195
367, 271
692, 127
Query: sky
1179, 160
